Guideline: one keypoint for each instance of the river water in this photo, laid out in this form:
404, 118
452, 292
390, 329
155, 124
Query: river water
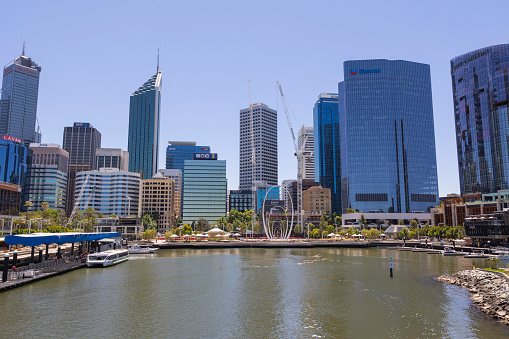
253, 293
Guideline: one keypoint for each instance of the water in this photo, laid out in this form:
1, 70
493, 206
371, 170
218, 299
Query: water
253, 293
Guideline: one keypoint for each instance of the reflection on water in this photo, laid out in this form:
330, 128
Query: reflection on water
254, 293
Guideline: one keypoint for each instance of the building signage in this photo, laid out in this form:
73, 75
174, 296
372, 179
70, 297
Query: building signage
8, 69
471, 58
81, 124
205, 156
364, 71
25, 70
172, 149
6, 137
205, 149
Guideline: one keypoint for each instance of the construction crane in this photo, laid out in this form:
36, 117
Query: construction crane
80, 196
300, 152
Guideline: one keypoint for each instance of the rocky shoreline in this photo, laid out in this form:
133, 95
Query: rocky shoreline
490, 291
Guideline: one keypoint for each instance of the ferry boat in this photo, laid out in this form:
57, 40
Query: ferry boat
107, 258
136, 249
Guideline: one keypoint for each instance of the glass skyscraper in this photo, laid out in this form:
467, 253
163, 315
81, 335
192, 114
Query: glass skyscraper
14, 157
481, 105
179, 151
18, 104
388, 157
327, 146
144, 113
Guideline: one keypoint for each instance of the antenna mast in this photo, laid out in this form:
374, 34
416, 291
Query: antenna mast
158, 60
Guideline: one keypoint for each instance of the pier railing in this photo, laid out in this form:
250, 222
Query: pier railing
45, 267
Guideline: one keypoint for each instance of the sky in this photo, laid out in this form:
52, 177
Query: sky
95, 54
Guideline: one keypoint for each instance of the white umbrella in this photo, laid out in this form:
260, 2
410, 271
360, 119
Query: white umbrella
205, 235
174, 236
331, 235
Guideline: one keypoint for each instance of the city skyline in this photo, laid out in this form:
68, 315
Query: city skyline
303, 67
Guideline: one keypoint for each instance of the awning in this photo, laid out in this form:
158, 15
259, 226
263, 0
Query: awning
36, 239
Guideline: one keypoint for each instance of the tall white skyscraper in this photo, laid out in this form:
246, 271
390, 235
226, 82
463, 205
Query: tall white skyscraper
306, 166
265, 145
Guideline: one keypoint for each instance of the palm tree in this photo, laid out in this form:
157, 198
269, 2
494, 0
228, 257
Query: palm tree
28, 204
44, 206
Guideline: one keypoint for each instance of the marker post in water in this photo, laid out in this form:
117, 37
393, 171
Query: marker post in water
391, 265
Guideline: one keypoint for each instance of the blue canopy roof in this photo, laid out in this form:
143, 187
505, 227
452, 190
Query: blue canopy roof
36, 239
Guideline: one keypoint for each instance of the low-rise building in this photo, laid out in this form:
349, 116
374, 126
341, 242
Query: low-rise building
316, 199
175, 175
240, 200
492, 228
157, 196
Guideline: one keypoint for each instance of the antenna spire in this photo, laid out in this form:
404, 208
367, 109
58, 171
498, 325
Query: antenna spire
23, 52
158, 60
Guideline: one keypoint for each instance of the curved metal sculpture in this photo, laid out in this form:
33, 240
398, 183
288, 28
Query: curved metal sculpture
277, 229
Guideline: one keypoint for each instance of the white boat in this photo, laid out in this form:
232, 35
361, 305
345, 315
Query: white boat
135, 249
107, 258
449, 251
501, 256
477, 254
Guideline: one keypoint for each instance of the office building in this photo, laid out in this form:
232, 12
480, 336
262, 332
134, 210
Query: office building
265, 192
285, 193
292, 193
47, 176
111, 158
81, 142
179, 151
327, 146
265, 146
204, 193
109, 191
176, 176
388, 158
18, 100
10, 198
481, 101
157, 196
317, 199
144, 115
306, 143
14, 157
240, 200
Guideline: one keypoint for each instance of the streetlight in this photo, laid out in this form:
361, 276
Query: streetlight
128, 205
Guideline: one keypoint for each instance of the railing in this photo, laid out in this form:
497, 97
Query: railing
45, 267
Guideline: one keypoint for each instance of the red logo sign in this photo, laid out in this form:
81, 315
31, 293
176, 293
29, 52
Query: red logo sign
7, 70
26, 70
6, 137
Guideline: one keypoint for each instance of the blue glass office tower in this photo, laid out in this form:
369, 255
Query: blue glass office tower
481, 105
14, 157
327, 146
143, 142
388, 157
18, 104
179, 151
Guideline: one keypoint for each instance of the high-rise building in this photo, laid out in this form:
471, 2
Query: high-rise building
109, 191
265, 192
175, 175
204, 193
388, 157
240, 200
81, 142
306, 143
481, 102
111, 158
144, 113
157, 195
292, 193
14, 158
18, 101
265, 145
179, 151
47, 176
327, 146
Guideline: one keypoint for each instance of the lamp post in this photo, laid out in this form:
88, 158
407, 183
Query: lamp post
128, 205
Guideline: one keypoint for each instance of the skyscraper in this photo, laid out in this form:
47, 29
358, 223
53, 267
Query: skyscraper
481, 93
179, 151
265, 145
143, 142
81, 141
18, 104
306, 166
388, 157
327, 146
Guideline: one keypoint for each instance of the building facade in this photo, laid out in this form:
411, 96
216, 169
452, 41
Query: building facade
204, 193
18, 100
317, 199
157, 195
144, 116
47, 176
112, 158
81, 142
293, 190
327, 146
14, 158
265, 192
10, 198
176, 176
481, 102
265, 146
179, 151
388, 157
109, 191
306, 143
240, 200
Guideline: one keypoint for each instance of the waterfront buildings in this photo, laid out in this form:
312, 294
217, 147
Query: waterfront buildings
265, 146
81, 142
144, 116
491, 228
240, 200
157, 196
388, 157
179, 151
306, 143
14, 156
109, 191
47, 176
285, 193
112, 158
10, 199
481, 102
204, 192
18, 100
175, 175
264, 191
317, 199
292, 193
327, 146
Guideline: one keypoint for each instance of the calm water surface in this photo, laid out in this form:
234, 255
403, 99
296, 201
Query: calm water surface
253, 293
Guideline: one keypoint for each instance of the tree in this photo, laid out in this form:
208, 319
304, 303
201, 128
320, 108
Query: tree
27, 205
186, 229
363, 221
44, 206
401, 222
178, 222
113, 215
296, 229
202, 225
221, 223
149, 234
404, 233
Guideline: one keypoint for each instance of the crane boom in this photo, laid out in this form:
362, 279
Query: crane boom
285, 107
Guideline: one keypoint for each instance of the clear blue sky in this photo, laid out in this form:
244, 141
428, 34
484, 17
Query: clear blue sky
94, 54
